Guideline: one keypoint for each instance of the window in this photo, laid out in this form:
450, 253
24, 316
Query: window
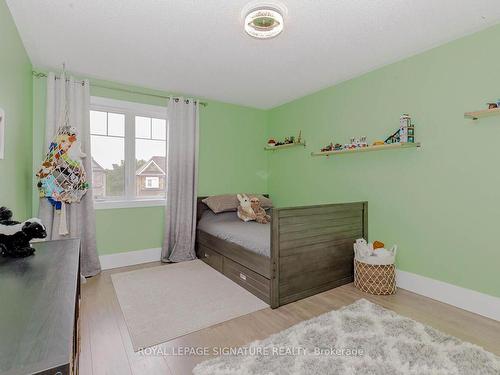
107, 132
152, 183
129, 149
150, 153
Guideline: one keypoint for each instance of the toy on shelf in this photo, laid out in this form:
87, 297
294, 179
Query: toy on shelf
394, 138
332, 147
494, 105
406, 129
287, 141
329, 147
356, 142
405, 133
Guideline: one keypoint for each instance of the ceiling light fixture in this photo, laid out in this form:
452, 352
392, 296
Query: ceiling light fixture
263, 21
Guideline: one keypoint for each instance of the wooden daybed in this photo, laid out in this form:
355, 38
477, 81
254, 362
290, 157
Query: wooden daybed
311, 251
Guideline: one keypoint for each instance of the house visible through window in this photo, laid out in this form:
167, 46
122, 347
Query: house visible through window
129, 148
150, 151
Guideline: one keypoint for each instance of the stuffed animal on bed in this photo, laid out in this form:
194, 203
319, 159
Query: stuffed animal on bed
15, 236
245, 211
261, 216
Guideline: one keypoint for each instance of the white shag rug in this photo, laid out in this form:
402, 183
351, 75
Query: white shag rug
165, 302
362, 338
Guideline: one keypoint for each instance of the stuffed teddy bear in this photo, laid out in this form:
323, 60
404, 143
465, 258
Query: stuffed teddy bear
15, 236
261, 216
245, 211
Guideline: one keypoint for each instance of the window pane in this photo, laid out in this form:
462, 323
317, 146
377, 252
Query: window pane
159, 129
142, 127
152, 182
98, 121
116, 124
151, 168
108, 167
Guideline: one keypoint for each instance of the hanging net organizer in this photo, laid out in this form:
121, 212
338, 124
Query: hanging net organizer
62, 178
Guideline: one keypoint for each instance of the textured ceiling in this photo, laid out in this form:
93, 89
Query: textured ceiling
198, 47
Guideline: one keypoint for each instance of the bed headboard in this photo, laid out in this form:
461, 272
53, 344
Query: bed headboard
202, 207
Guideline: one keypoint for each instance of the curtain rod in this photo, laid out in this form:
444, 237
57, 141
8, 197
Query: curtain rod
43, 75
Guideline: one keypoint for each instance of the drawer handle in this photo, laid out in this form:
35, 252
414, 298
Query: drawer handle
242, 276
207, 256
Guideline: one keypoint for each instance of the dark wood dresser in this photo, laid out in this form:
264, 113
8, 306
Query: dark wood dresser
39, 303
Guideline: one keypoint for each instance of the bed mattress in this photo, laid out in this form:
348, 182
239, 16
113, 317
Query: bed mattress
227, 226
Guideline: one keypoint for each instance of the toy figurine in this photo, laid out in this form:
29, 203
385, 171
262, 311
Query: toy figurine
494, 105
327, 148
405, 133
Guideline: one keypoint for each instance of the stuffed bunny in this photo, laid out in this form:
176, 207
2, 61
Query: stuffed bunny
245, 211
362, 248
261, 216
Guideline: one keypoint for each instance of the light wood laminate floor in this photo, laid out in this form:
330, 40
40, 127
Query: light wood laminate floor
106, 347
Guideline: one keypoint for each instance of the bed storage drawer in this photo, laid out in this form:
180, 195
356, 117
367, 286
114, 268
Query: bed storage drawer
210, 257
256, 284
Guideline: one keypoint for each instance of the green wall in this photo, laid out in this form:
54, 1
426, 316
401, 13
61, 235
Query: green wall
231, 159
15, 99
440, 203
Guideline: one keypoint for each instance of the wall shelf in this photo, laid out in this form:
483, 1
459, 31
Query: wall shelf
484, 113
392, 146
276, 148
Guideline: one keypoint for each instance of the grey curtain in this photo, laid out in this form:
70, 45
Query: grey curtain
182, 180
80, 216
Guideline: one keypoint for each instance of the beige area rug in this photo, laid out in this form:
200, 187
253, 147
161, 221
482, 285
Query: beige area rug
165, 302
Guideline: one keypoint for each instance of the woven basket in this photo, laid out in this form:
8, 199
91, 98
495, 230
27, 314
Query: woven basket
375, 279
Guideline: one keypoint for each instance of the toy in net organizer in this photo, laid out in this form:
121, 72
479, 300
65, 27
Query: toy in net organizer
62, 178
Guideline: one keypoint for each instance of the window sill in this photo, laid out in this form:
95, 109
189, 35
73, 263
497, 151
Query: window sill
109, 205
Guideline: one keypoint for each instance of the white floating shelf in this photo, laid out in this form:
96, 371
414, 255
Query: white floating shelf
484, 113
276, 148
392, 146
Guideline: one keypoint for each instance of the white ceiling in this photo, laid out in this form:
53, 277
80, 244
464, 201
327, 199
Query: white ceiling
198, 47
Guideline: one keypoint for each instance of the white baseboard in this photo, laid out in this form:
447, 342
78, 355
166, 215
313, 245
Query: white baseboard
129, 258
466, 299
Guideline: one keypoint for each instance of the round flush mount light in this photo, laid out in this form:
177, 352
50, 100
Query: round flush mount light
263, 21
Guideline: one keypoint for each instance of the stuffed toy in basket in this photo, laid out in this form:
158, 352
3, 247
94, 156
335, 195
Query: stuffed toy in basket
374, 269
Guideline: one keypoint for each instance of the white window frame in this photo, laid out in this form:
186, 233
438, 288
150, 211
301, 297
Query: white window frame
152, 179
130, 110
